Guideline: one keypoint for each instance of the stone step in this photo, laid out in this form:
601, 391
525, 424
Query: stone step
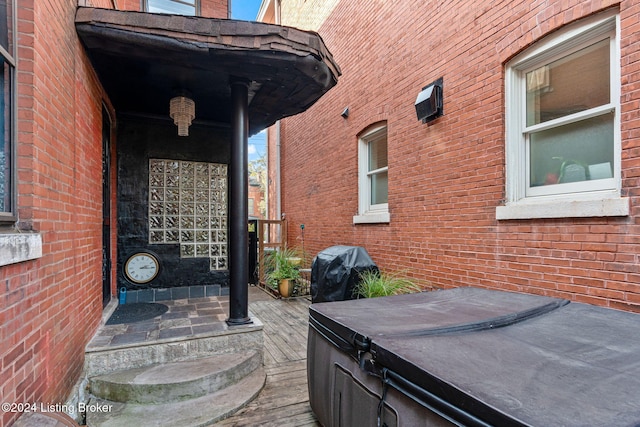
175, 381
201, 411
104, 359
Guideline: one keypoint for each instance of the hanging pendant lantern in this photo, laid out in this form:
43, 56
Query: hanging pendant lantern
182, 110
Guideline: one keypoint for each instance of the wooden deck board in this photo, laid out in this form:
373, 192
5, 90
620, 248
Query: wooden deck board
284, 401
285, 326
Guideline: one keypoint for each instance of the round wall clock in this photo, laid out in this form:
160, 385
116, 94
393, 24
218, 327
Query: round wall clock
141, 267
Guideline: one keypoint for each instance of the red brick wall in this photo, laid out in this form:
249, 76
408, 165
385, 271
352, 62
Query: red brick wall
214, 8
445, 180
128, 5
106, 4
256, 193
50, 307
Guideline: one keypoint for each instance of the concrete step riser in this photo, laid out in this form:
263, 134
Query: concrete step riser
198, 412
175, 381
107, 360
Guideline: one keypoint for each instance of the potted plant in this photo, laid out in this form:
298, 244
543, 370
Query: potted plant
284, 266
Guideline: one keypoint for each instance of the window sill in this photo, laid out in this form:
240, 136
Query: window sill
372, 218
555, 208
19, 247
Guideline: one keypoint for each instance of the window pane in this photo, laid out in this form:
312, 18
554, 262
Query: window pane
4, 21
575, 83
575, 152
378, 153
379, 188
6, 24
184, 7
5, 141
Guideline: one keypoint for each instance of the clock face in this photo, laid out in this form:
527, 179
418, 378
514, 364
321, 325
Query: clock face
141, 267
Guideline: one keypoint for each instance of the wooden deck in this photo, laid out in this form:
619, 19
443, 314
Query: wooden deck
284, 401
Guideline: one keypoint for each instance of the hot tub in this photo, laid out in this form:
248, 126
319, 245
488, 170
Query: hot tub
473, 357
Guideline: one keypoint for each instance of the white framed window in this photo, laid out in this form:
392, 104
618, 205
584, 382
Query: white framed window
563, 125
175, 7
373, 176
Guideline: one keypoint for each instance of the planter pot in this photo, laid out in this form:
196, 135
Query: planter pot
285, 287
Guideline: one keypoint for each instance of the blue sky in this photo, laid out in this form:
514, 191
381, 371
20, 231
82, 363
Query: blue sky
247, 10
257, 145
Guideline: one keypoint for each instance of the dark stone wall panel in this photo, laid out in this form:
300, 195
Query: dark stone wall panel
138, 140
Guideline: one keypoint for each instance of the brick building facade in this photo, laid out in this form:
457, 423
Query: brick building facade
58, 165
256, 199
462, 200
79, 170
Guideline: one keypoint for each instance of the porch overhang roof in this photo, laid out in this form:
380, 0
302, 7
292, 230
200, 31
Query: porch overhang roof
144, 59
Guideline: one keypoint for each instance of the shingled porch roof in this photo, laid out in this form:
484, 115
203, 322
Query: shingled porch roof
144, 59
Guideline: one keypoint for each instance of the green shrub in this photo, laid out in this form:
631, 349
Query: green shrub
377, 284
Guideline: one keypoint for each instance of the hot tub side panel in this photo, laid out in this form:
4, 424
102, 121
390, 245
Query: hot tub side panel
342, 394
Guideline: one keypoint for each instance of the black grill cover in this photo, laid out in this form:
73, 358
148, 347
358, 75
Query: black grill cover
335, 272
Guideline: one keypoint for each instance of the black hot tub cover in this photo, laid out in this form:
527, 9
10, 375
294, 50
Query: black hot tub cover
493, 358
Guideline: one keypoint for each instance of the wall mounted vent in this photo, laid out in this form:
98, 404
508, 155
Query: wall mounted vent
429, 103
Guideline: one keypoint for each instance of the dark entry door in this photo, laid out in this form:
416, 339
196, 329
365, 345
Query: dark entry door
253, 251
106, 208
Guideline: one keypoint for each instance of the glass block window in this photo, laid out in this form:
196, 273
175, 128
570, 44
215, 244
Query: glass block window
188, 207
